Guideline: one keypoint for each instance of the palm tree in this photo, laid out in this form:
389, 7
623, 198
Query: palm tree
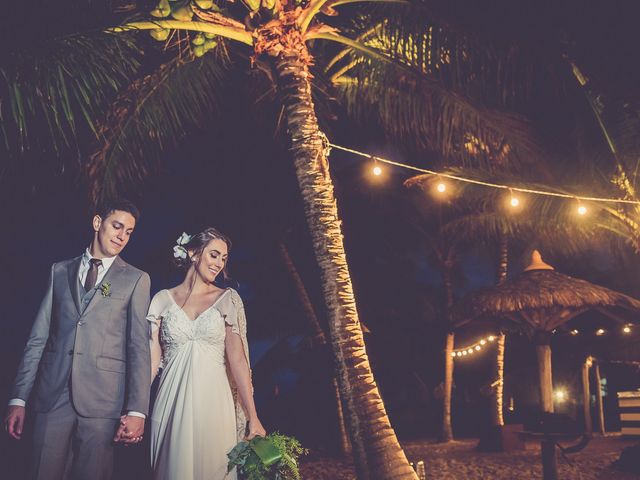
159, 98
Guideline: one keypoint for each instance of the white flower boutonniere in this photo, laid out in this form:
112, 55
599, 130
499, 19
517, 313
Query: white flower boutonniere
105, 289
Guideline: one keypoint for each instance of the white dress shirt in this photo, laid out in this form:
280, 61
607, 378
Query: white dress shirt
82, 275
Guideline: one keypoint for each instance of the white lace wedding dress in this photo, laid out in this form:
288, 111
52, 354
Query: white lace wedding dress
195, 420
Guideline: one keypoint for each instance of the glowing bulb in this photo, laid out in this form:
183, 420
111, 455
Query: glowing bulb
582, 210
514, 202
574, 332
491, 338
600, 331
441, 187
470, 351
483, 342
464, 352
627, 329
478, 347
560, 395
377, 171
453, 354
459, 354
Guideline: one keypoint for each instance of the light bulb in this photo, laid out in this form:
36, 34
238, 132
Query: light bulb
377, 171
582, 210
514, 202
441, 187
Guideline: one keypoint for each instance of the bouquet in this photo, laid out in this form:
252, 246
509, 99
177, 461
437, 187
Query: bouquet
274, 457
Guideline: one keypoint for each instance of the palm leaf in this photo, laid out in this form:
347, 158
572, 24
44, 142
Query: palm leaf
49, 93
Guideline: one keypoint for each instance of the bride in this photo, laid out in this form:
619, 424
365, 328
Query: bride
205, 396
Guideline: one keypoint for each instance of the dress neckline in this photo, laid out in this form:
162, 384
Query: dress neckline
202, 312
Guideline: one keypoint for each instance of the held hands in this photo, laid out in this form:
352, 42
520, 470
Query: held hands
130, 431
255, 429
14, 421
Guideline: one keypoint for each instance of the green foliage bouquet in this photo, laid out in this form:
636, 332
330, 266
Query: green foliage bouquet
274, 457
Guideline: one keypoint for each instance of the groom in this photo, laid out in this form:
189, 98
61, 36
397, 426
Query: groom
87, 358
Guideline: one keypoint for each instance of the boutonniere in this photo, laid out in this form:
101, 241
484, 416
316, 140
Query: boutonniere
105, 289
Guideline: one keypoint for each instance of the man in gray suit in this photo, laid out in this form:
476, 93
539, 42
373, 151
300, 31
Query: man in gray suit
87, 359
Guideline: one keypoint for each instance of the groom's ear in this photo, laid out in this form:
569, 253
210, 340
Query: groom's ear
97, 221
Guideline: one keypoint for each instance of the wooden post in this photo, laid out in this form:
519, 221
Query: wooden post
599, 405
586, 396
548, 445
549, 460
545, 376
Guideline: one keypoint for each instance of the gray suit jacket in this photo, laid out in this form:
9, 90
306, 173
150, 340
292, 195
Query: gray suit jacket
99, 341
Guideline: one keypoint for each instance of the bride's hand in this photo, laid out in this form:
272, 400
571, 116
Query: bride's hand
256, 429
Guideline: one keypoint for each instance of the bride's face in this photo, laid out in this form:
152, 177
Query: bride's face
212, 260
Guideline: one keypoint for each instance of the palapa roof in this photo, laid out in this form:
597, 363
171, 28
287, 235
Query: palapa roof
544, 299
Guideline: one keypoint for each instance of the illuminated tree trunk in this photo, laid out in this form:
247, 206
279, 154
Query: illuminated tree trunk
377, 452
586, 396
497, 394
446, 434
319, 338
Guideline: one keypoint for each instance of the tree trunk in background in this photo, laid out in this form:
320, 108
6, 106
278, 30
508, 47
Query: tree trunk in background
446, 434
319, 339
377, 452
586, 396
497, 394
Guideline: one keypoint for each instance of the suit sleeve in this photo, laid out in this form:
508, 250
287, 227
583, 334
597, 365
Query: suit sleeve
138, 355
36, 342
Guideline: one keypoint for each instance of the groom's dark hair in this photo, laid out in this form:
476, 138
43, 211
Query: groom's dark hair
107, 207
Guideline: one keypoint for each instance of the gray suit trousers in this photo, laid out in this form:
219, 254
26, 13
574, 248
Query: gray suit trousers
68, 446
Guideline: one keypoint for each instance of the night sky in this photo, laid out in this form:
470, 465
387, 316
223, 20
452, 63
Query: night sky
234, 173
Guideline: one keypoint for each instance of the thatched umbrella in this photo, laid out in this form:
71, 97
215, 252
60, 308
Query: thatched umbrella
539, 301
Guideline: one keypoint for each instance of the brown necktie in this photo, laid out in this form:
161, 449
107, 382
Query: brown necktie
92, 274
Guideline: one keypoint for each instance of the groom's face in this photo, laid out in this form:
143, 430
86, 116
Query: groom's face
112, 233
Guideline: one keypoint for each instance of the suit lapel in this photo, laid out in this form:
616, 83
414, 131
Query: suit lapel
73, 271
111, 276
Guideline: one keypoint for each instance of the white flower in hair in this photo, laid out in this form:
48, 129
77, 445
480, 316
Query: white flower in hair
179, 251
183, 239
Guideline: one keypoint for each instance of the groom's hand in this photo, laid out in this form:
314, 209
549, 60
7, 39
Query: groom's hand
14, 421
130, 431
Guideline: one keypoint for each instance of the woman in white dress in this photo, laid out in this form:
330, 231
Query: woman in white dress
205, 396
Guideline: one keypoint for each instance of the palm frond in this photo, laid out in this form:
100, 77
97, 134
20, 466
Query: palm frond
153, 113
440, 90
51, 92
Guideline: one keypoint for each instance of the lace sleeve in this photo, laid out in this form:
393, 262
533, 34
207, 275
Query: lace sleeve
233, 312
158, 306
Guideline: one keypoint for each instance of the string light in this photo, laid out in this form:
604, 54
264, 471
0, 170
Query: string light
490, 184
600, 332
582, 210
473, 348
514, 202
377, 171
574, 332
627, 329
560, 395
441, 187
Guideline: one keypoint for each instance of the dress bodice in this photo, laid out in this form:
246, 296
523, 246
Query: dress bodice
207, 331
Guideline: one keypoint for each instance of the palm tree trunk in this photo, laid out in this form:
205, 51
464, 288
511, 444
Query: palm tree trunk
586, 396
446, 435
447, 273
319, 338
497, 395
377, 452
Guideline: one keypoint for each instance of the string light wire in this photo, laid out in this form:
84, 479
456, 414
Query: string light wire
483, 183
